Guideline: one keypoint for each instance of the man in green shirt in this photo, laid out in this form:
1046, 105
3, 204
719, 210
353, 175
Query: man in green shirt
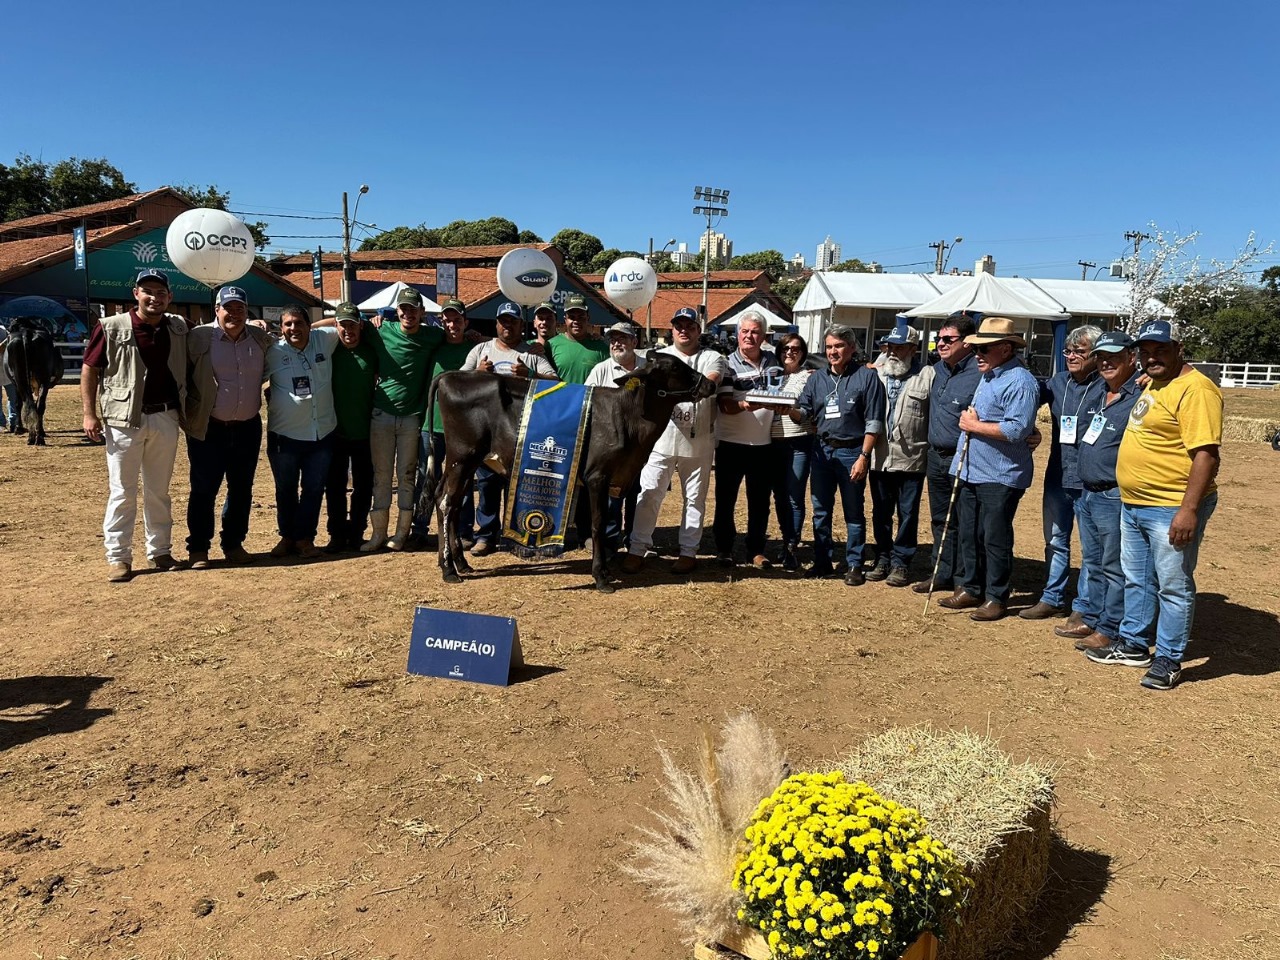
355, 372
449, 355
404, 352
575, 352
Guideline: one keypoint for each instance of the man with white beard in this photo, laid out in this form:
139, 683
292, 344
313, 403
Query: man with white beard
899, 459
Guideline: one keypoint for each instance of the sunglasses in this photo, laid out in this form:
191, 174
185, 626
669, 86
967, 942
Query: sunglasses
947, 339
985, 348
1075, 352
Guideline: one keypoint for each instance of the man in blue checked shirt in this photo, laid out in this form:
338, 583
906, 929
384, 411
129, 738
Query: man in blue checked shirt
994, 471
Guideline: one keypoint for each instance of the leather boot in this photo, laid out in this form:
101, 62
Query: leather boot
378, 536
404, 524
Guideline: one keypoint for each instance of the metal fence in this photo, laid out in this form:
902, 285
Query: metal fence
1250, 374
72, 360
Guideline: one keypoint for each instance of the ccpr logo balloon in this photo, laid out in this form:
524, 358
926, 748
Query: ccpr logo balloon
630, 283
527, 276
210, 246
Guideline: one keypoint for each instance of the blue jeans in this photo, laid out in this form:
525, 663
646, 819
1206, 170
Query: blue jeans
15, 413
830, 472
1099, 517
1060, 508
895, 491
1159, 578
790, 485
467, 514
299, 464
230, 451
489, 490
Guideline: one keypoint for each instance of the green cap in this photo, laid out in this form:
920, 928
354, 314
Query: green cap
576, 301
544, 305
409, 295
346, 311
454, 304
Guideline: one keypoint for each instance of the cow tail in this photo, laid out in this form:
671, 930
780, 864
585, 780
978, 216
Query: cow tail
19, 357
426, 502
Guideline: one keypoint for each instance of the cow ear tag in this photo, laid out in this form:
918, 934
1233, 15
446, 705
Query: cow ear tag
633, 383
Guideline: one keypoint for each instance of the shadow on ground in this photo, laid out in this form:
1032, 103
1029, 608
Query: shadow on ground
1236, 640
34, 707
1078, 879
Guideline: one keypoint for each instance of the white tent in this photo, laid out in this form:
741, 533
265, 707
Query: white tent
771, 320
386, 297
1013, 297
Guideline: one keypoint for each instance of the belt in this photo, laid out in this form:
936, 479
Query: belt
158, 407
1100, 487
842, 444
943, 451
232, 423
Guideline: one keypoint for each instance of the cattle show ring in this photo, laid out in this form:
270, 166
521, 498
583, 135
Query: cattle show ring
293, 759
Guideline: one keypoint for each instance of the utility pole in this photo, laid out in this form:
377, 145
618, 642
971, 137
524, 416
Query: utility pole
1085, 267
716, 203
348, 271
941, 258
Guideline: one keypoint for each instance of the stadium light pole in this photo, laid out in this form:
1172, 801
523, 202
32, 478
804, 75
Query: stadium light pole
715, 203
348, 272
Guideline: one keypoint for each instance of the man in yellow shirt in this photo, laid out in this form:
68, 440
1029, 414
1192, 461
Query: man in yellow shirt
1168, 460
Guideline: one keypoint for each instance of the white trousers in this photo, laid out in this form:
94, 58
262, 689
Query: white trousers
695, 477
149, 451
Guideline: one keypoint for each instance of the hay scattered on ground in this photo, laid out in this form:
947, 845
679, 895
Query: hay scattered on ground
689, 858
1252, 429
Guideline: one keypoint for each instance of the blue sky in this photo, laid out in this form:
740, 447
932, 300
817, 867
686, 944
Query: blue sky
1038, 132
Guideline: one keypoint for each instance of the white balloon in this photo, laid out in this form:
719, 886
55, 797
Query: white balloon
210, 246
527, 276
630, 283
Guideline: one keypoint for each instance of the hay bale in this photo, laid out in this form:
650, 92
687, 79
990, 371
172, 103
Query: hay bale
1251, 429
992, 812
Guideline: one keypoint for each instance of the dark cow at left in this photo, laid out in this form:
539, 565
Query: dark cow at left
32, 360
481, 414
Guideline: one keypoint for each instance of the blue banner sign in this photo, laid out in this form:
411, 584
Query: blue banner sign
464, 646
545, 473
80, 246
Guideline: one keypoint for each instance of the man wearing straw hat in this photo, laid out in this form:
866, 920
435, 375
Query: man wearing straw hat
993, 469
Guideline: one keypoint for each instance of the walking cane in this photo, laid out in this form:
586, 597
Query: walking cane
946, 526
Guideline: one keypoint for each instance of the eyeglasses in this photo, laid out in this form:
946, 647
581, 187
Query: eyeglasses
791, 350
1075, 352
947, 339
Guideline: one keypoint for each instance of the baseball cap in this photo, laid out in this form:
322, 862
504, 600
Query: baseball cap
151, 273
685, 315
901, 335
510, 310
346, 311
544, 305
1158, 331
1113, 342
228, 294
454, 304
575, 301
409, 295
624, 328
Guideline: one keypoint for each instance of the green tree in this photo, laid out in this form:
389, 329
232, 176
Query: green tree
770, 261
789, 290
600, 262
528, 237
216, 199
30, 187
851, 266
403, 238
663, 263
1245, 332
1271, 281
579, 248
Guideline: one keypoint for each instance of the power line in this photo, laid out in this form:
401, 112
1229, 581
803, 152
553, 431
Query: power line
282, 216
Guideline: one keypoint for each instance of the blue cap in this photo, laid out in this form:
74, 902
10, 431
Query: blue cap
151, 273
901, 335
686, 313
227, 294
510, 310
977, 316
1113, 342
1157, 331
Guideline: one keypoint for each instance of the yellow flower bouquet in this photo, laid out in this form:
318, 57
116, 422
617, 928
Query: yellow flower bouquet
833, 870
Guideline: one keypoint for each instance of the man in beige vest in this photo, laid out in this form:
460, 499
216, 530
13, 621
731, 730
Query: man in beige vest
135, 366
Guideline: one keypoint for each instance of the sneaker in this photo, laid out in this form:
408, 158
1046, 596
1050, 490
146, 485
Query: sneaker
119, 572
1163, 675
898, 577
236, 555
164, 562
880, 570
1118, 653
198, 559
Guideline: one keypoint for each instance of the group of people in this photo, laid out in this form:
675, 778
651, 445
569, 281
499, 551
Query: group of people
1131, 465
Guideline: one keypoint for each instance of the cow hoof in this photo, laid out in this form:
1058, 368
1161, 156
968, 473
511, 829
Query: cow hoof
464, 566
452, 578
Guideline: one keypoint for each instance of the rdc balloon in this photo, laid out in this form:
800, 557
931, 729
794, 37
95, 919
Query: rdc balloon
210, 246
630, 283
527, 276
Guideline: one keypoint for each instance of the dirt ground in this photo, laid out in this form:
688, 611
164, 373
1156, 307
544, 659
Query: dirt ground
235, 764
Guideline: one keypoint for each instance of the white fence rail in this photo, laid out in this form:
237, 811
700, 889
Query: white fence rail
72, 355
1250, 374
